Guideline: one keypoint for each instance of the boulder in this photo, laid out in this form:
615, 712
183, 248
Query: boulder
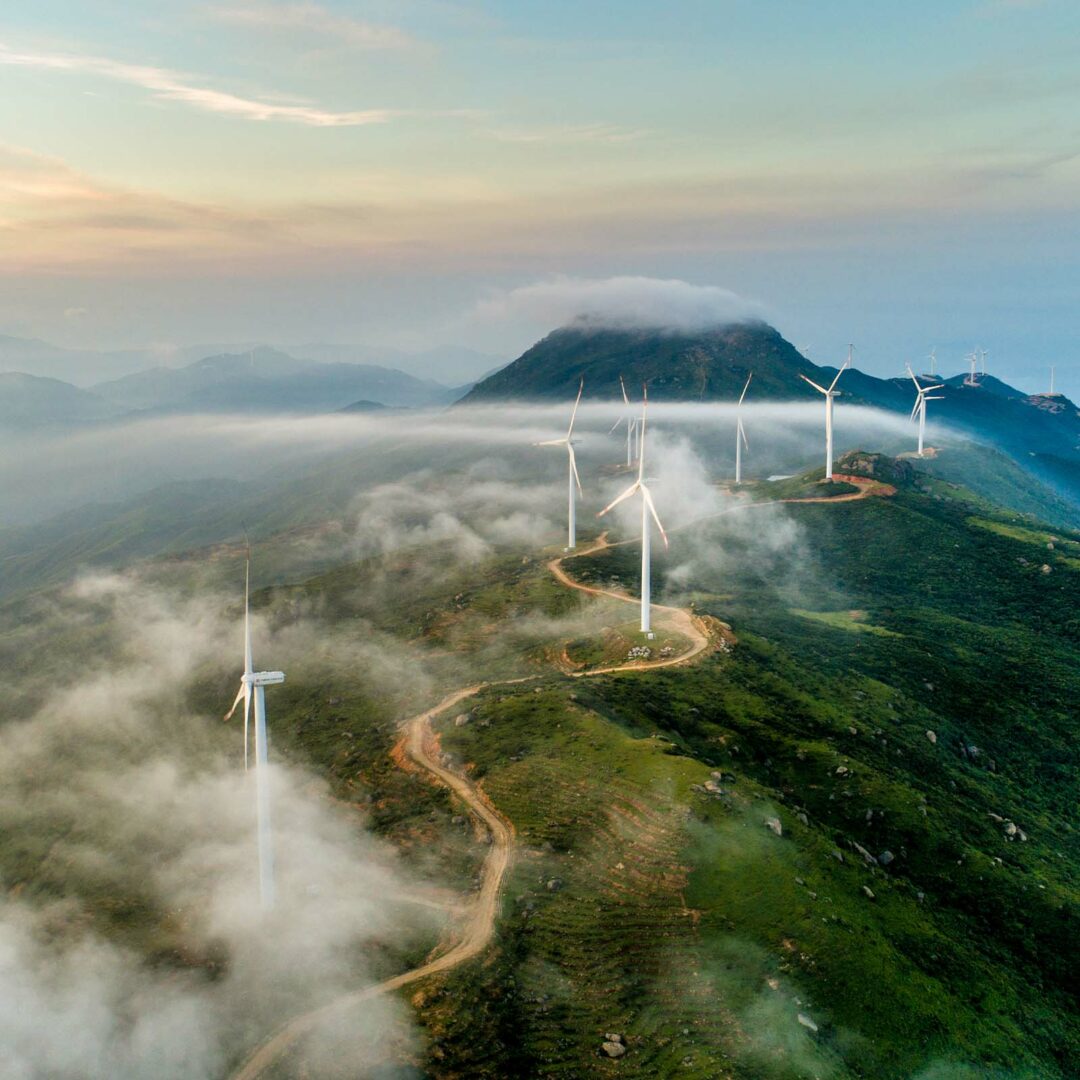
869, 892
613, 1049
807, 1022
932, 736
886, 857
774, 824
462, 719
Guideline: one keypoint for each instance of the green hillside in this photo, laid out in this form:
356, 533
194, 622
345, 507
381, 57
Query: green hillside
842, 844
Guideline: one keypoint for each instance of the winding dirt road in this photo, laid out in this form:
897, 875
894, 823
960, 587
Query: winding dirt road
418, 744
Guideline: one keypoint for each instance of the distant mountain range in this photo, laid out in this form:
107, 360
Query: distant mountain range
451, 365
1041, 432
261, 380
266, 380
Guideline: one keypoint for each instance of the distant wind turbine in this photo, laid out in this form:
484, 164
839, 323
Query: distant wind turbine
630, 420
572, 473
919, 412
933, 362
830, 394
647, 509
1051, 382
973, 360
740, 434
251, 685
984, 353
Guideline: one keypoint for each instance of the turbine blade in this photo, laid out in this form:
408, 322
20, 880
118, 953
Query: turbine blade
626, 399
652, 510
631, 490
913, 379
915, 410
832, 385
742, 432
812, 383
641, 441
239, 694
551, 442
927, 389
248, 668
577, 402
573, 469
616, 424
746, 387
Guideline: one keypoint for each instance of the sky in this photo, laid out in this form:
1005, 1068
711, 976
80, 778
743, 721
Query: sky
899, 176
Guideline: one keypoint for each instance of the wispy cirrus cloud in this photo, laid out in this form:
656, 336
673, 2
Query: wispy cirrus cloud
566, 133
168, 85
315, 20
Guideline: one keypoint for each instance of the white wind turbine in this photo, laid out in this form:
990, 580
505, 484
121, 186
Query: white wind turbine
251, 685
572, 474
933, 362
647, 508
630, 420
740, 434
919, 412
973, 360
830, 394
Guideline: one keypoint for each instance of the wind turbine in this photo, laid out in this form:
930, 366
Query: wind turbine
647, 508
984, 353
252, 685
740, 434
572, 473
933, 362
972, 359
919, 411
830, 394
630, 420
1051, 394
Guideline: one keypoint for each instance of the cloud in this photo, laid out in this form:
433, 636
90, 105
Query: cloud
314, 19
168, 85
127, 797
566, 133
619, 301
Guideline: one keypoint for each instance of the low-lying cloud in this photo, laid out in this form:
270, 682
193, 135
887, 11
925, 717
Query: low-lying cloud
664, 303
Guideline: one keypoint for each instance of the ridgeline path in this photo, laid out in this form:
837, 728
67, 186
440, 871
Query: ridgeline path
419, 745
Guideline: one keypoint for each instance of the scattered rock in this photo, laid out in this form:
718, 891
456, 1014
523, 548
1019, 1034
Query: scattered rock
803, 818
807, 1022
613, 1036
1045, 568
886, 857
554, 885
613, 1049
996, 817
799, 881
932, 736
869, 892
774, 824
1010, 829
853, 730
867, 857
838, 855
462, 719
841, 770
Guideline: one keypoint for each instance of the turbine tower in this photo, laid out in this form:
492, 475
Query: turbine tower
252, 685
740, 434
919, 412
572, 474
1051, 394
830, 394
630, 420
647, 509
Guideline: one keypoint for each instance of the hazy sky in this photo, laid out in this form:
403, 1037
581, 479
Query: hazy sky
900, 175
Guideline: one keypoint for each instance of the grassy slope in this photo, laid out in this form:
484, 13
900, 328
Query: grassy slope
677, 918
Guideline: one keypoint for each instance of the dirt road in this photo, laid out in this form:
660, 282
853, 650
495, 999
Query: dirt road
479, 924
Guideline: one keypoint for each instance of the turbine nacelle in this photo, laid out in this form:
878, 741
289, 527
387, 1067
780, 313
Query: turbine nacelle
263, 678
